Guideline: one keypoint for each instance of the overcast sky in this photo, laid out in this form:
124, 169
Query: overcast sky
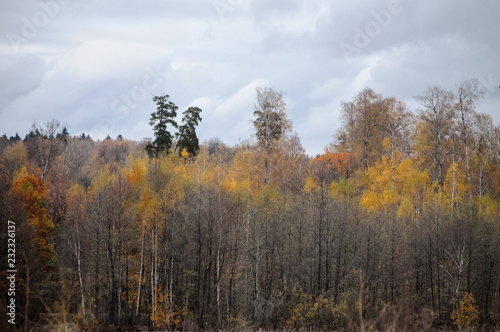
95, 65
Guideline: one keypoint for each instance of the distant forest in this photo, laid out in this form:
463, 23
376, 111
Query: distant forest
395, 227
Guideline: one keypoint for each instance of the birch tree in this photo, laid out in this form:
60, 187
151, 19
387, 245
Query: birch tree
437, 117
271, 122
469, 96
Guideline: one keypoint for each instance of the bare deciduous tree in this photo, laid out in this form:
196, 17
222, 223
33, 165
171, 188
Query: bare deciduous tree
271, 122
438, 114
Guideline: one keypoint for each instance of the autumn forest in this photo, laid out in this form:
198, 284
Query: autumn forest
395, 227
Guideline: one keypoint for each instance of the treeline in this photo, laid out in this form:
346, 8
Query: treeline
395, 226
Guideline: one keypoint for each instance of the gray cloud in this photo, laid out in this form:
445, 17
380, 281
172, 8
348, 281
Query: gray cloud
96, 65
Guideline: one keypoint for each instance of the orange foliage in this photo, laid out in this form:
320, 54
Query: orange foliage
136, 172
31, 191
329, 165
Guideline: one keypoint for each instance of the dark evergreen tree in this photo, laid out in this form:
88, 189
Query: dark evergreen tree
187, 138
63, 135
34, 133
15, 138
165, 114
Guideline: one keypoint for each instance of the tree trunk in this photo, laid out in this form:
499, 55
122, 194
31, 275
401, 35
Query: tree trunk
112, 277
27, 306
78, 260
140, 272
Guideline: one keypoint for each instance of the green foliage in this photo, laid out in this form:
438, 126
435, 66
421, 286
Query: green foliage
187, 138
343, 189
165, 114
64, 135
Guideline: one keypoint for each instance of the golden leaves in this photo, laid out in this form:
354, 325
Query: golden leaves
310, 186
467, 313
149, 208
31, 191
136, 170
455, 187
395, 183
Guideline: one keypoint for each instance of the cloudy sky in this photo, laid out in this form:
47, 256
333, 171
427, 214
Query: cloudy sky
95, 65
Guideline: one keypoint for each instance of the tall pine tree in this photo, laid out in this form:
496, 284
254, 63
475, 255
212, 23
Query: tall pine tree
166, 111
187, 138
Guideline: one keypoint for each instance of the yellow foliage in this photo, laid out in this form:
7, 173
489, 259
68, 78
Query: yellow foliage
387, 144
423, 144
204, 168
380, 186
173, 193
455, 187
342, 189
20, 173
17, 158
310, 185
166, 162
467, 314
489, 208
232, 186
184, 153
241, 178
206, 177
76, 197
182, 172
166, 313
416, 186
101, 181
320, 313
370, 201
77, 190
148, 208
395, 183
136, 170
269, 197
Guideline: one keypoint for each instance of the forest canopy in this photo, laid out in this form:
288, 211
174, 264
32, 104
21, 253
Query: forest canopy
396, 224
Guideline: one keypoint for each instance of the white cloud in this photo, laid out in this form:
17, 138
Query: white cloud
229, 118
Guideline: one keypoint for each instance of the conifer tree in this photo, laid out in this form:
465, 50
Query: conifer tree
187, 138
165, 114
